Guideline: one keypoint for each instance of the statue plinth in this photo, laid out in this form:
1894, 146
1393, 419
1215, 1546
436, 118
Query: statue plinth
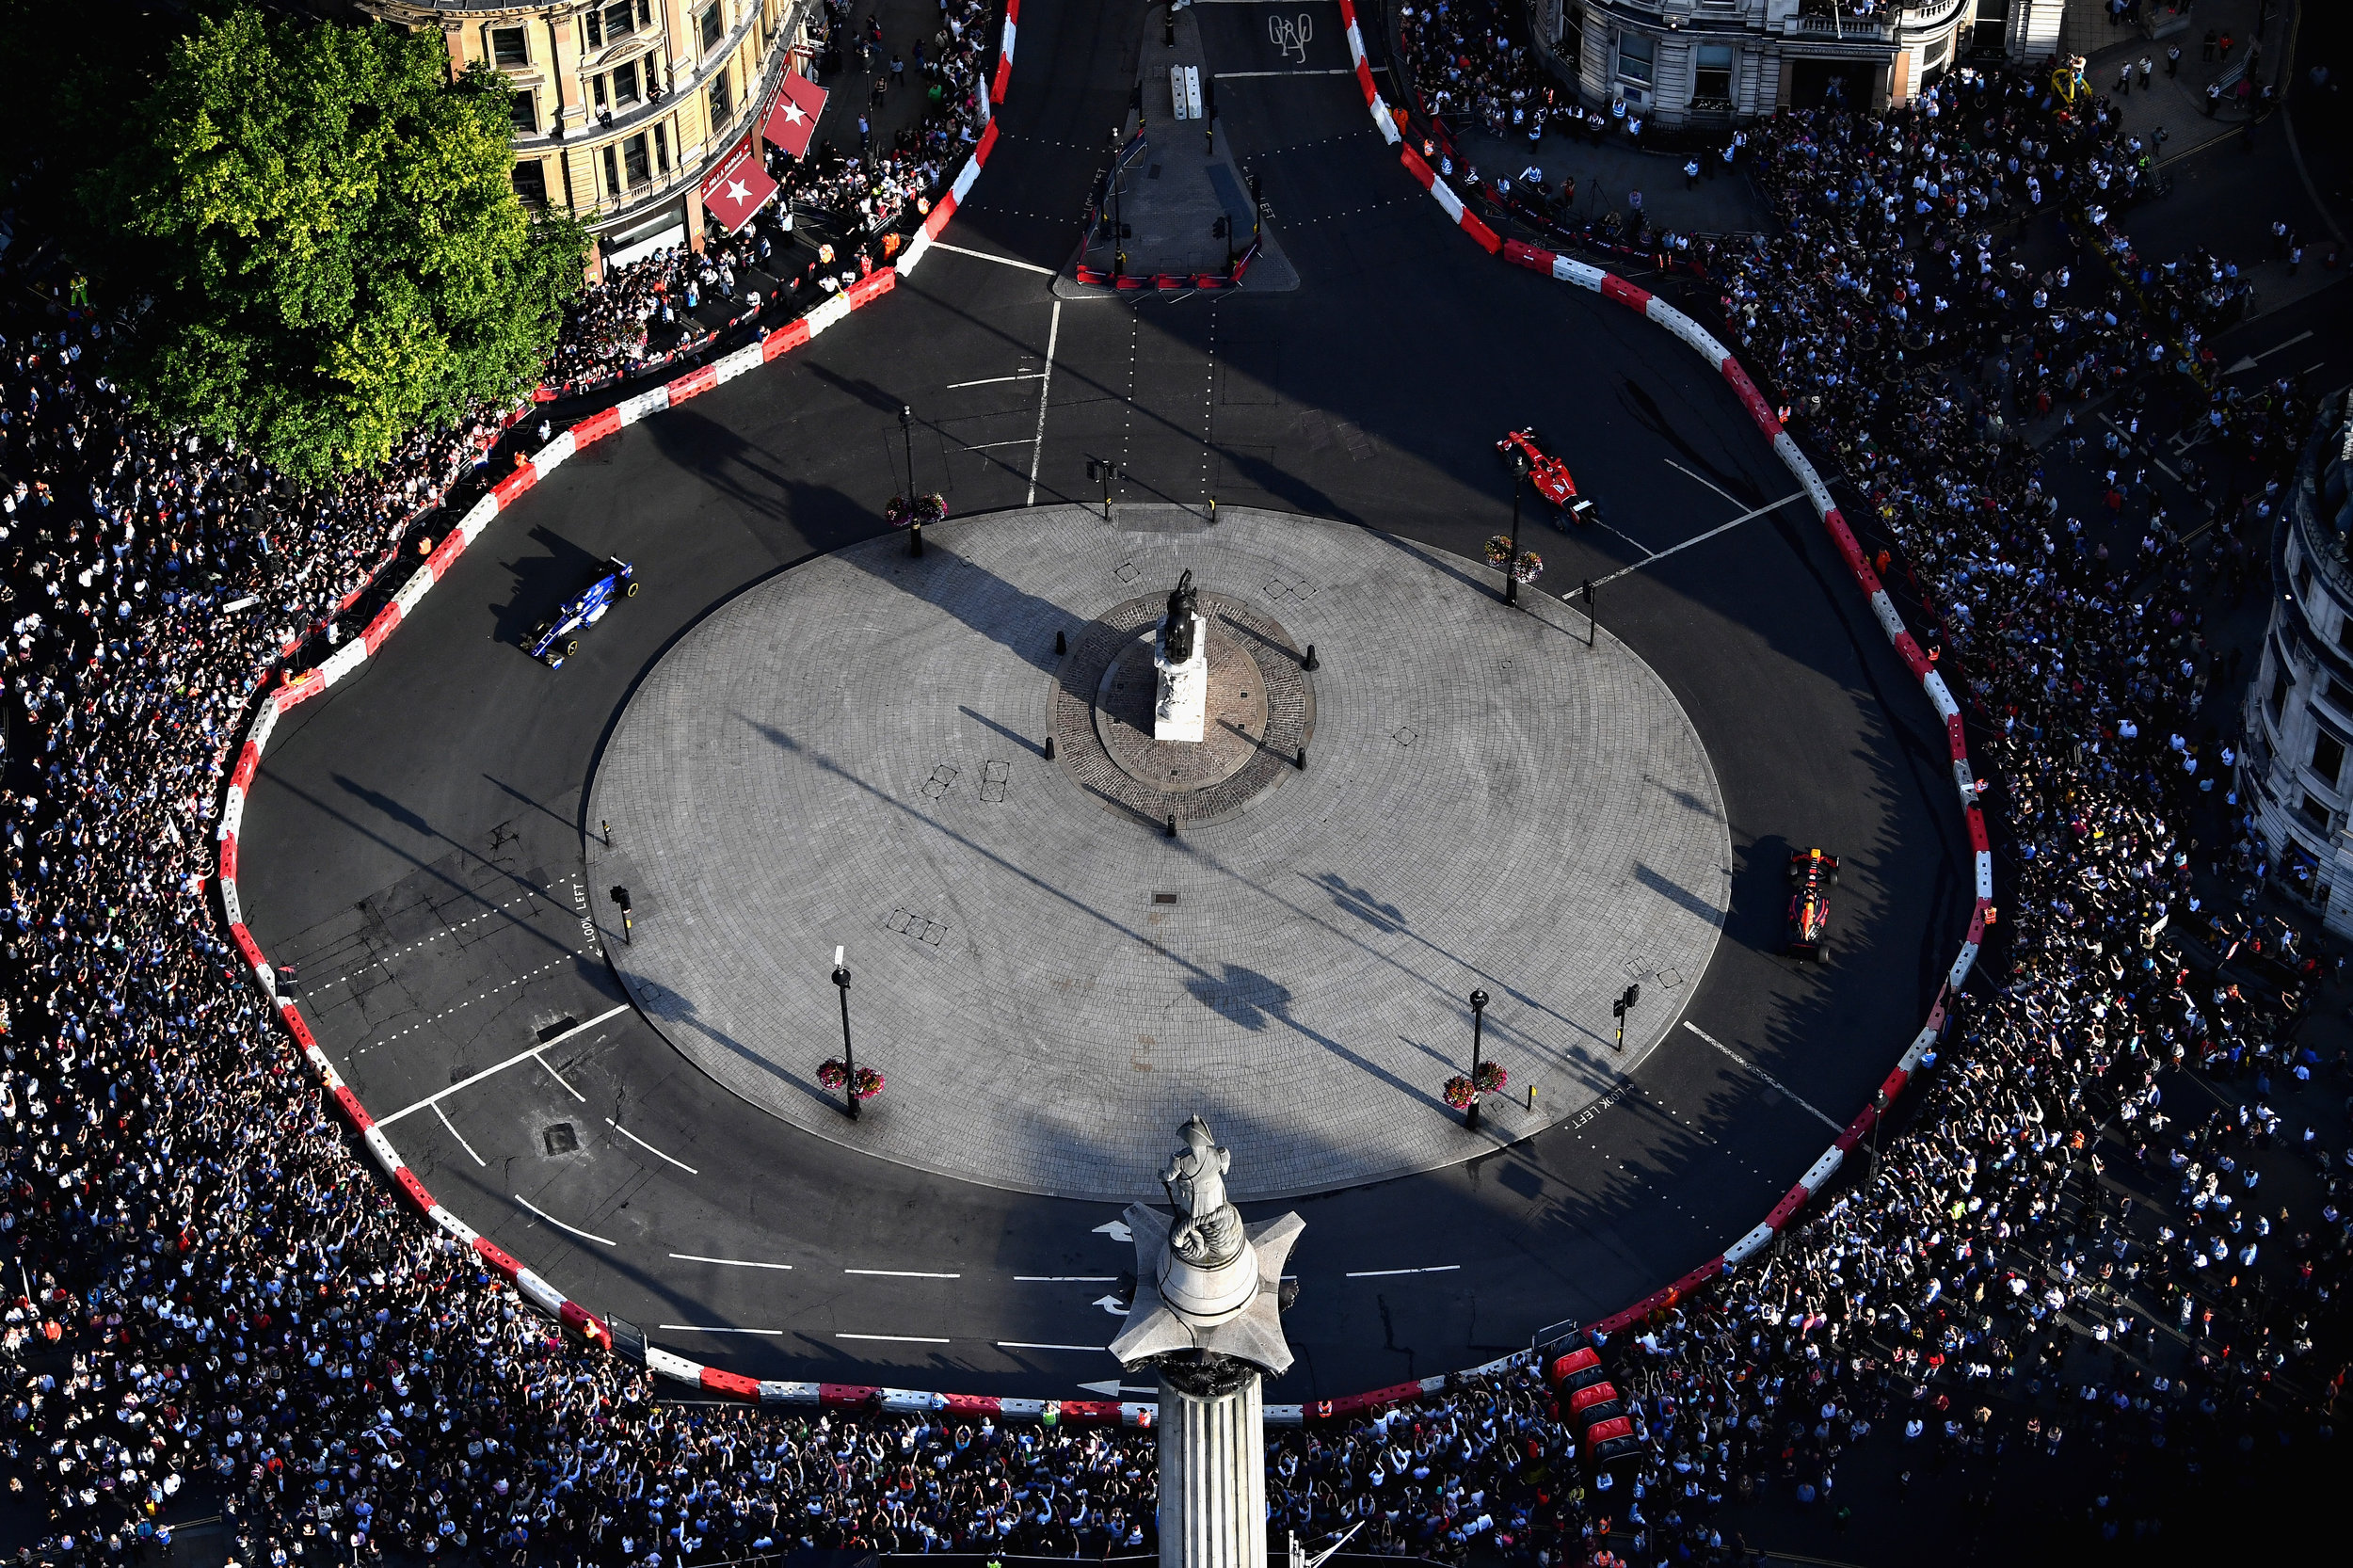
1181, 710
1207, 1316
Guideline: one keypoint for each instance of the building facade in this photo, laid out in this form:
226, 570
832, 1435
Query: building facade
621, 106
1704, 62
2298, 718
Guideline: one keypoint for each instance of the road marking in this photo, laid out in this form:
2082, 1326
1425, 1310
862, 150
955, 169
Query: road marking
896, 1338
383, 960
984, 446
1065, 1279
1384, 1273
1703, 479
493, 1071
1116, 1229
502, 986
560, 1224
1326, 71
1703, 539
714, 1328
1760, 1072
1046, 382
559, 1077
649, 1149
2248, 362
728, 1262
993, 380
2153, 457
1111, 1388
1001, 261
459, 1136
899, 1273
1025, 1345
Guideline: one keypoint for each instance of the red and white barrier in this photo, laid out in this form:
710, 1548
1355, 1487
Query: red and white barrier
1004, 54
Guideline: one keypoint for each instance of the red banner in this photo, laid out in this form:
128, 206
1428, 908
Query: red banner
738, 187
793, 120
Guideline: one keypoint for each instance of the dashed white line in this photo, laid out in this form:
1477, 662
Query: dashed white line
1384, 1273
503, 985
727, 1262
454, 1133
378, 960
642, 1144
1761, 1073
714, 1328
586, 1235
900, 1273
896, 1338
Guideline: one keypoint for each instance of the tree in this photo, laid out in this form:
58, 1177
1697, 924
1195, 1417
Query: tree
326, 225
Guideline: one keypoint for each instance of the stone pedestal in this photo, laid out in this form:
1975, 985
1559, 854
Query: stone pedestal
1181, 712
1212, 1443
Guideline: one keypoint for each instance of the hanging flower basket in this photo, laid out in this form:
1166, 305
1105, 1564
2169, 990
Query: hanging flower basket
1491, 1078
870, 1083
831, 1074
1530, 565
1459, 1093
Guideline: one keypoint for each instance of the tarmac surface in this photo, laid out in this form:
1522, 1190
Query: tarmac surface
417, 842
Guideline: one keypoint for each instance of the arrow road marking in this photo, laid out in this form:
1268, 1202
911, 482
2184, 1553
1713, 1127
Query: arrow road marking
1112, 1305
1117, 1230
2250, 361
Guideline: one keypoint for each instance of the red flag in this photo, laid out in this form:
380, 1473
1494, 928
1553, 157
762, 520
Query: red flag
738, 187
793, 119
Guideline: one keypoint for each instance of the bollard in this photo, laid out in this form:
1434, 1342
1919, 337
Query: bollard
1172, 824
1301, 763
608, 833
1309, 663
915, 538
1049, 749
1062, 644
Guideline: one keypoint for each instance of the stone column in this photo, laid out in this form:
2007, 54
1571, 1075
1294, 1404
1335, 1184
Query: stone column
1212, 1443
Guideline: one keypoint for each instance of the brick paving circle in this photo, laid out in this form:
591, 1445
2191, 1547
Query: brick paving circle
851, 753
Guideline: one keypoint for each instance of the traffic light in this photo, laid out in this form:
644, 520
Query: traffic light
1625, 1004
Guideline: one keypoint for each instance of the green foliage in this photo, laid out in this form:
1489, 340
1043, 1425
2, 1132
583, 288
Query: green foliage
327, 229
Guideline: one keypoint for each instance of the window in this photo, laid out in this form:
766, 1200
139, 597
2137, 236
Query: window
592, 29
2279, 694
620, 20
531, 183
596, 89
633, 160
2328, 757
509, 46
1933, 55
722, 106
1711, 80
612, 171
1634, 57
662, 147
2304, 581
625, 84
524, 107
2315, 814
712, 26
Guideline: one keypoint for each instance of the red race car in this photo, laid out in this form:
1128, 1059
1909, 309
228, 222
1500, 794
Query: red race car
1811, 873
1551, 476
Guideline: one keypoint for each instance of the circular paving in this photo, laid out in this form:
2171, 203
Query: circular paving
851, 755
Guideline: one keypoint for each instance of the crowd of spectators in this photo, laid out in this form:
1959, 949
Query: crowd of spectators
2076, 1238
840, 209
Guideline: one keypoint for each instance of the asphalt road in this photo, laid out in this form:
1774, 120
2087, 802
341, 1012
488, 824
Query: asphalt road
414, 846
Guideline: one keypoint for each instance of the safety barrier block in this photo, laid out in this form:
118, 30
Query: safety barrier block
871, 288
510, 489
415, 1188
672, 1365
603, 422
496, 1257
695, 382
845, 1396
1788, 1206
381, 628
1617, 288
734, 1385
445, 555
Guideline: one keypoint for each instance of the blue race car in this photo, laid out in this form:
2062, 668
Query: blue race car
552, 640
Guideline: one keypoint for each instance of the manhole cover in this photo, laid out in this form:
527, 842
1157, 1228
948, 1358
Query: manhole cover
560, 1138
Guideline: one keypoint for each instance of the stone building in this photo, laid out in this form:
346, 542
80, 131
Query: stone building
1702, 62
622, 106
2299, 719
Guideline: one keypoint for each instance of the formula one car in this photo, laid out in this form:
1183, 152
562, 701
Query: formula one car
1551, 476
1811, 873
552, 640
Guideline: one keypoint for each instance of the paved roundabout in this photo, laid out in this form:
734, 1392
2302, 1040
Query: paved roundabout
851, 753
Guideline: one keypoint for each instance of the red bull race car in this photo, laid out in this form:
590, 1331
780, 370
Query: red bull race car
553, 641
1550, 475
1811, 873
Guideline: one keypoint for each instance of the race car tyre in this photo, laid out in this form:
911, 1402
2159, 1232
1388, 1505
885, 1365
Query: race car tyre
629, 592
1822, 952
571, 647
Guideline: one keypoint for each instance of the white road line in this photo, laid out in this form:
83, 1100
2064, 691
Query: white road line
993, 380
1046, 382
459, 1136
714, 1328
896, 1338
2159, 461
1065, 1279
1384, 1273
649, 1147
559, 1077
899, 1273
985, 446
1703, 479
727, 1262
1703, 539
502, 986
560, 1224
1322, 71
985, 256
1024, 1345
493, 1071
1760, 1072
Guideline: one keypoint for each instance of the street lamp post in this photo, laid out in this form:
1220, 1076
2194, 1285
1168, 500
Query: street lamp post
1511, 562
915, 511
1478, 1022
849, 1062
